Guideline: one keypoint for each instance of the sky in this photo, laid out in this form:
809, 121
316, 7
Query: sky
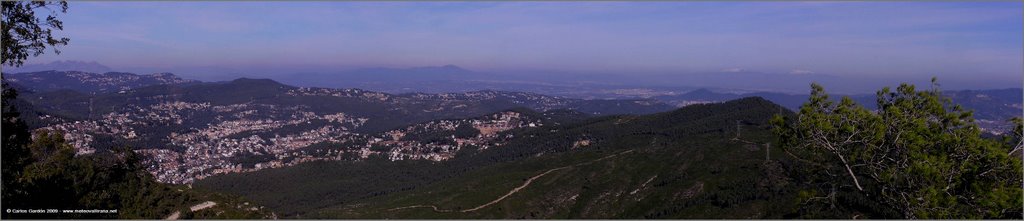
979, 42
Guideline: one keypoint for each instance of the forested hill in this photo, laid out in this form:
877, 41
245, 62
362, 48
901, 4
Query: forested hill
684, 163
88, 82
992, 108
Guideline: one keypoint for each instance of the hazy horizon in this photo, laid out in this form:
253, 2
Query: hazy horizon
865, 45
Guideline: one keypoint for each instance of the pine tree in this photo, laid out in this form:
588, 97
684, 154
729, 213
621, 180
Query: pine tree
917, 156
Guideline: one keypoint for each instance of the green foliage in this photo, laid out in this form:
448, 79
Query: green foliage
1015, 139
918, 156
24, 33
466, 131
57, 179
701, 178
15, 141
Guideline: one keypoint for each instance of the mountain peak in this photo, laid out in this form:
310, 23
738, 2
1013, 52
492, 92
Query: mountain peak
256, 82
90, 82
449, 68
163, 74
701, 91
246, 80
61, 65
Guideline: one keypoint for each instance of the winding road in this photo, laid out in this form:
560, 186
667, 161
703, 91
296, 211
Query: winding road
513, 191
194, 208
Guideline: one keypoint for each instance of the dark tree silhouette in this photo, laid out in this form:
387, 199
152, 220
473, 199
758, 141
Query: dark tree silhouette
25, 33
15, 139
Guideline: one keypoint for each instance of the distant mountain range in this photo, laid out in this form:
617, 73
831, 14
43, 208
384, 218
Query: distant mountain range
385, 75
88, 82
448, 78
587, 85
82, 66
992, 108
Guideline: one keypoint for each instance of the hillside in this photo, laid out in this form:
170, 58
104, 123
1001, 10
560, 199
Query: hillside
678, 164
993, 108
68, 65
88, 82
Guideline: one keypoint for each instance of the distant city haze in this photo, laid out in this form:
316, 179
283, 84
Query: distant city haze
851, 47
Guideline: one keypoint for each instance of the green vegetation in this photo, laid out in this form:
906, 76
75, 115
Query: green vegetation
918, 156
466, 131
696, 179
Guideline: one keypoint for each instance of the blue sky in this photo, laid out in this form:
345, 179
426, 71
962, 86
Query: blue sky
975, 41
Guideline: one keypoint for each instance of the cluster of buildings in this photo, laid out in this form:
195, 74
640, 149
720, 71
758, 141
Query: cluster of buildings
197, 140
348, 92
489, 128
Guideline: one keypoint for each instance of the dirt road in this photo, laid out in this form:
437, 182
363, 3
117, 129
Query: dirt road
197, 207
514, 190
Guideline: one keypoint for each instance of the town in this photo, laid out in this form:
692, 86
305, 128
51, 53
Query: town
250, 137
